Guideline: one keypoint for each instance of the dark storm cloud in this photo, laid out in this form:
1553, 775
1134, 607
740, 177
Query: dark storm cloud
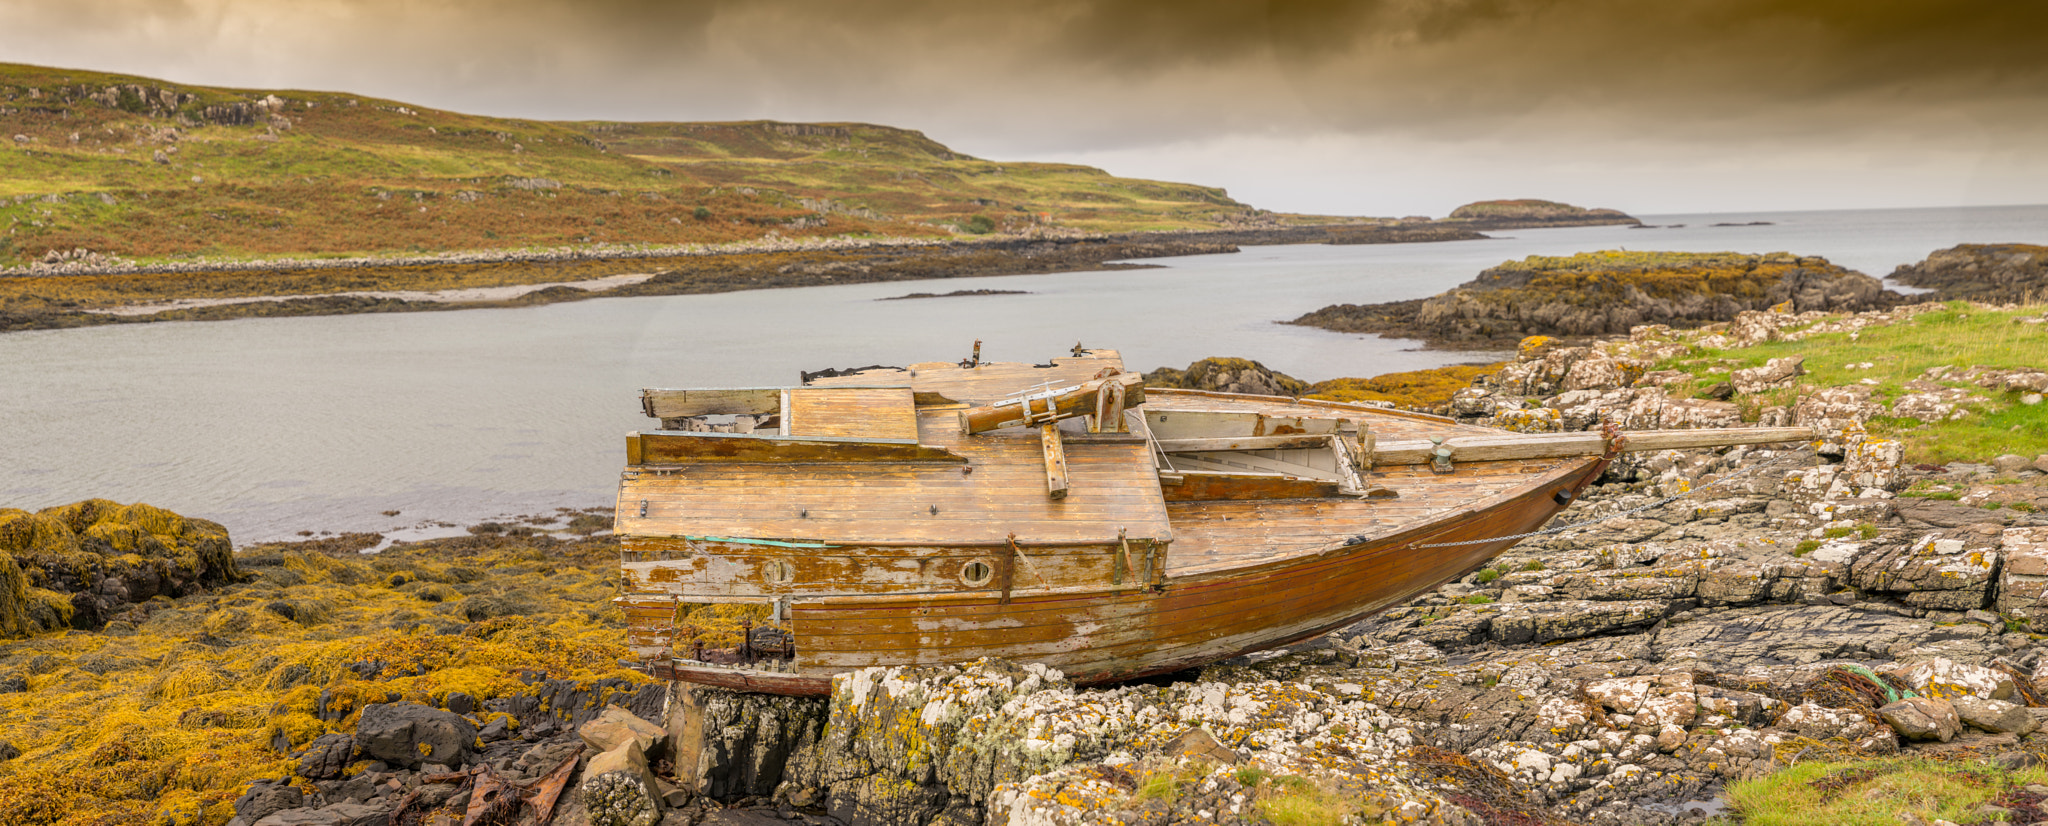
1697, 79
1351, 64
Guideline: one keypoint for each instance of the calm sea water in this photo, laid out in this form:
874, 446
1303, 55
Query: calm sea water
273, 426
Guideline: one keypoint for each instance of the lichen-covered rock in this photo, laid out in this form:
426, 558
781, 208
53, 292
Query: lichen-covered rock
1934, 572
618, 798
1778, 372
730, 744
1994, 715
2023, 581
1819, 722
1942, 677
902, 743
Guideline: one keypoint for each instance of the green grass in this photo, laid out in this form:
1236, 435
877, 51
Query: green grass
334, 173
1958, 335
1486, 575
1297, 801
1806, 547
1872, 792
1159, 786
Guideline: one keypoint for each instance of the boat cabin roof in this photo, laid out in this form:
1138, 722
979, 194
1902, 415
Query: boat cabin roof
849, 461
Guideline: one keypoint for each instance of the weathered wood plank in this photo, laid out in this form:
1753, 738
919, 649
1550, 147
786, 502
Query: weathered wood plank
1557, 445
1243, 443
670, 447
1198, 485
663, 403
878, 413
1055, 460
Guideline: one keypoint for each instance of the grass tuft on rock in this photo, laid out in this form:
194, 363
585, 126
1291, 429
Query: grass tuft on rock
1882, 792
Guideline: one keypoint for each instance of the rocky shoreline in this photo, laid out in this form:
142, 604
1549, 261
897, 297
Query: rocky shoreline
1698, 621
671, 275
1981, 272
1607, 293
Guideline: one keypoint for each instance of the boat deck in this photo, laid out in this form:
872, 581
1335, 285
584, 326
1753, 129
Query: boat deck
1227, 534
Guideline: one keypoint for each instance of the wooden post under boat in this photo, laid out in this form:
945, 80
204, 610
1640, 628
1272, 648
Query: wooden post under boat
946, 512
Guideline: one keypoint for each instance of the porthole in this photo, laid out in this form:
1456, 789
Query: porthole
977, 573
779, 572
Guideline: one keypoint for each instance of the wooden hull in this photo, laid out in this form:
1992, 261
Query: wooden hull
1097, 635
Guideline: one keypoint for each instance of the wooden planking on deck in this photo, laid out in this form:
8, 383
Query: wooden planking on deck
875, 413
1113, 487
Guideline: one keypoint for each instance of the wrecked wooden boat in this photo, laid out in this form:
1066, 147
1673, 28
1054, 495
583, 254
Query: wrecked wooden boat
1060, 513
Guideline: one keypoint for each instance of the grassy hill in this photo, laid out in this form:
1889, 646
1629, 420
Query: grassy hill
151, 170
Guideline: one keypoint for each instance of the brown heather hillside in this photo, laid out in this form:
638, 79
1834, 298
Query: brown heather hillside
141, 168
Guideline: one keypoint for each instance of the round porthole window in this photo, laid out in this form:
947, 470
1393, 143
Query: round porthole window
977, 573
779, 572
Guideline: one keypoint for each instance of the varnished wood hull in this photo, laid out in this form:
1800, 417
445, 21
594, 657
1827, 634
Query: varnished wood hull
1107, 635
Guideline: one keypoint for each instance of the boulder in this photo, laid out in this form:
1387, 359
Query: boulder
616, 726
339, 814
1778, 372
410, 734
1820, 722
1943, 678
1229, 375
619, 790
266, 797
1933, 572
327, 756
1923, 719
2023, 582
2010, 463
1199, 743
1994, 716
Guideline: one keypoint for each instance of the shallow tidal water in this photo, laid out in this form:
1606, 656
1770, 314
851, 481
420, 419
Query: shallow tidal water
273, 426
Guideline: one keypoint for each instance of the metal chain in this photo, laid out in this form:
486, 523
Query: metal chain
1657, 504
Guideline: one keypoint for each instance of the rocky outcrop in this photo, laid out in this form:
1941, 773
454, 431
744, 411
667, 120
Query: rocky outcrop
86, 563
1529, 212
1990, 273
1228, 375
1608, 293
1404, 234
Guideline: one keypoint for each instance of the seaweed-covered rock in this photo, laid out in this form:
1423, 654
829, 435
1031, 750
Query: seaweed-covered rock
82, 563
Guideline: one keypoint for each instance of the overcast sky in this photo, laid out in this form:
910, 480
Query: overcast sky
1363, 107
